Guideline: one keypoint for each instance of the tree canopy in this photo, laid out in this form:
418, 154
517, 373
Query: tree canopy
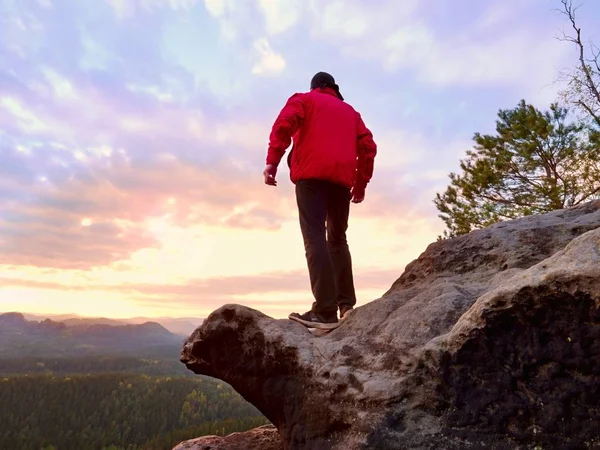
117, 411
535, 162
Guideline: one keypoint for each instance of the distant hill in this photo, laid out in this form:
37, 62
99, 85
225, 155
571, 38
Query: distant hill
75, 321
179, 325
21, 337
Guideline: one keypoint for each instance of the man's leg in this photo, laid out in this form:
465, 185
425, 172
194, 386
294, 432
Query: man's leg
311, 197
338, 210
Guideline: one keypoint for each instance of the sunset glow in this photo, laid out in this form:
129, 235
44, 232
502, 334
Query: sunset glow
133, 135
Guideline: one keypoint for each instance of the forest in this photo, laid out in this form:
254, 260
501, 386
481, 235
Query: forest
104, 387
155, 366
117, 411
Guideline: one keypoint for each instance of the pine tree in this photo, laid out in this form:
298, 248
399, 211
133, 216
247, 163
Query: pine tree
536, 162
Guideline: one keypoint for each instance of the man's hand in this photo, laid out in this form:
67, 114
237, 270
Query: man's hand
269, 174
358, 194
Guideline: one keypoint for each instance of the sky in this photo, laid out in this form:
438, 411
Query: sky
133, 135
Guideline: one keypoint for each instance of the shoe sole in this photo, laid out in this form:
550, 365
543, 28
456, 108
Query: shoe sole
318, 325
346, 314
318, 333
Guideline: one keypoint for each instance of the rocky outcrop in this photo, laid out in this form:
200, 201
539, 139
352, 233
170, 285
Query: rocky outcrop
263, 438
488, 340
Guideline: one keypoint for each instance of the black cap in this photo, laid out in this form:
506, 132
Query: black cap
323, 79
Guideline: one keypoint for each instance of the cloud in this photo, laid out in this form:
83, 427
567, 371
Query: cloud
181, 4
217, 7
270, 63
470, 60
45, 3
65, 244
280, 15
112, 164
25, 119
43, 216
273, 287
138, 116
62, 87
42, 221
340, 19
124, 152
124, 9
349, 21
470, 48
253, 216
230, 14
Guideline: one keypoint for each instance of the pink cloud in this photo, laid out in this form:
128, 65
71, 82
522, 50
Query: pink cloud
272, 282
87, 215
214, 292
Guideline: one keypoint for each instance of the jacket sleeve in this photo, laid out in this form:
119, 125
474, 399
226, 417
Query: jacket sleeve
285, 127
367, 149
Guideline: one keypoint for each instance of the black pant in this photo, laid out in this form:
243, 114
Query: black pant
323, 209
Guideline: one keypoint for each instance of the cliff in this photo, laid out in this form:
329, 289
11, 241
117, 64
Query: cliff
488, 340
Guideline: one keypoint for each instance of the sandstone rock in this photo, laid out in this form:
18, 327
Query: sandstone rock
261, 438
488, 340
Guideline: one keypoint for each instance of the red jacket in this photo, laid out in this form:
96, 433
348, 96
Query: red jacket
331, 141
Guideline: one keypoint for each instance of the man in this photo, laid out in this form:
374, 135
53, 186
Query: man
331, 163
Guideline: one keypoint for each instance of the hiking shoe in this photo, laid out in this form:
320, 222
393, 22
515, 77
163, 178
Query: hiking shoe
344, 309
311, 319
